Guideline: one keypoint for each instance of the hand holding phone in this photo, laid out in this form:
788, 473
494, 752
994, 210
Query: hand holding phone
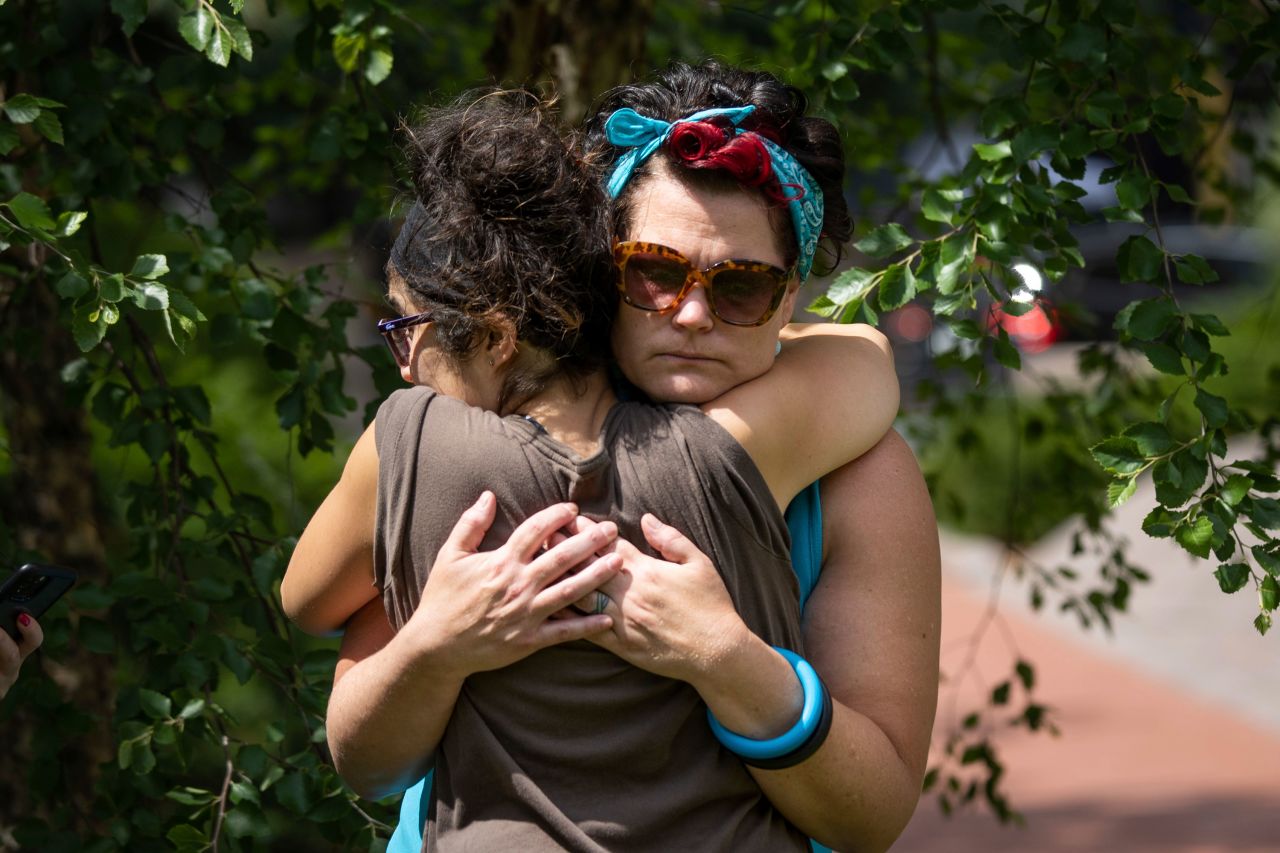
32, 589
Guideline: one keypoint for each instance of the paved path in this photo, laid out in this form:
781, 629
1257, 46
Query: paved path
1170, 728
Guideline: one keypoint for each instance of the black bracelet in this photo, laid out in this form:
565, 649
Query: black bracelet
806, 749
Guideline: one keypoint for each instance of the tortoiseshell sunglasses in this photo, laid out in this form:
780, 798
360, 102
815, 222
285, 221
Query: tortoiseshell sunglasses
396, 333
653, 277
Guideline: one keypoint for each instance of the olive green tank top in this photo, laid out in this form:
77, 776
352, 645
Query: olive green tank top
572, 748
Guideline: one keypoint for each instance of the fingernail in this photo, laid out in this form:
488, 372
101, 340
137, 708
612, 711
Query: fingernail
609, 528
24, 620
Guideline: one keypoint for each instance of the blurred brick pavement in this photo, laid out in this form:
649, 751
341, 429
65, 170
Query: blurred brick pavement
1143, 763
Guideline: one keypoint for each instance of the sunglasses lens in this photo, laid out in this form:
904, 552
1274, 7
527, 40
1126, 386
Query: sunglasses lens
743, 296
653, 281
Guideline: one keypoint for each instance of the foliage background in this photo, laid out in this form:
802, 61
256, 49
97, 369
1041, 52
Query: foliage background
194, 200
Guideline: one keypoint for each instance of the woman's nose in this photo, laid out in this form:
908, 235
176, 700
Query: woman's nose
694, 312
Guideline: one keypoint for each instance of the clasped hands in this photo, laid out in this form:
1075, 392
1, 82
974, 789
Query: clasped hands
481, 610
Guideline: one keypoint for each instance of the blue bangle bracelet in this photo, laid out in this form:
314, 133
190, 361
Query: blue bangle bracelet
791, 740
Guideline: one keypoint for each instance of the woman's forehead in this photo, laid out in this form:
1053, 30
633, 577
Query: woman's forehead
706, 225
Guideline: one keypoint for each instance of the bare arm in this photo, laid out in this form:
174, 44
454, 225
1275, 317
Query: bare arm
830, 396
871, 630
330, 575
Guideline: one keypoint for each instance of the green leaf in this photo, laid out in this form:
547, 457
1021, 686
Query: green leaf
1139, 259
997, 151
69, 222
897, 287
1177, 193
1265, 513
851, 285
150, 296
884, 241
111, 288
1153, 439
49, 126
238, 34
1193, 269
156, 705
1262, 623
71, 286
1164, 358
1231, 576
954, 259
1150, 318
218, 50
377, 67
1032, 140
88, 327
22, 109
1118, 455
1084, 43
1133, 191
1209, 324
197, 26
193, 708
124, 754
1269, 560
1269, 593
347, 47
1213, 407
936, 208
31, 212
1119, 491
1196, 537
9, 138
1005, 352
150, 266
132, 13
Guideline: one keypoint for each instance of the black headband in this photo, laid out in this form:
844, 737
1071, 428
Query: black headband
413, 261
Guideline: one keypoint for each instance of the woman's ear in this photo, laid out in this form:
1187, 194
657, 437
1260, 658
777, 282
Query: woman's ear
500, 345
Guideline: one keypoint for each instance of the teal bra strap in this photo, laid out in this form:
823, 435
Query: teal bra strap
804, 520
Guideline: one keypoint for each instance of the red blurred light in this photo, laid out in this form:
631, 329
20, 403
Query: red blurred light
912, 323
1034, 331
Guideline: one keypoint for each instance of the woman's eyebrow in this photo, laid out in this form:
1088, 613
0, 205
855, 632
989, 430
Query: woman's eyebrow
391, 303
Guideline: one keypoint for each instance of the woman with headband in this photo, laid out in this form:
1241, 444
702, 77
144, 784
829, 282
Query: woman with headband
700, 310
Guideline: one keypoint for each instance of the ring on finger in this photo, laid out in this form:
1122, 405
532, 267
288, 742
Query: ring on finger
601, 602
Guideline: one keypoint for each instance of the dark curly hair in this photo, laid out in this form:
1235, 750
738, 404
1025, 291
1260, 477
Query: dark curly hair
510, 224
683, 89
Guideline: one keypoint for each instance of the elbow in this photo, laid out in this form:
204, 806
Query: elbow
302, 609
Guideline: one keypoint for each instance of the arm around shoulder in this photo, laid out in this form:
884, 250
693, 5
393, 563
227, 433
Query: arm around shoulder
831, 395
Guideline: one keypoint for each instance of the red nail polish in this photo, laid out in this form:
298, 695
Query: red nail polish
24, 620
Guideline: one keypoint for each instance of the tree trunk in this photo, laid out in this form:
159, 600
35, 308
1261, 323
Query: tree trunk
574, 49
49, 507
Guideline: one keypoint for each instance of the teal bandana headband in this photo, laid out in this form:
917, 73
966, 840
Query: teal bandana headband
642, 135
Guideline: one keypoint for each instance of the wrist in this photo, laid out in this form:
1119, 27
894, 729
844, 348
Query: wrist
422, 655
752, 689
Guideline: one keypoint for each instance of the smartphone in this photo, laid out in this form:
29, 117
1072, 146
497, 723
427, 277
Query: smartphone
32, 589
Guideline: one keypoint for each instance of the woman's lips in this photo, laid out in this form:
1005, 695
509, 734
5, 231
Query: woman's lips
686, 356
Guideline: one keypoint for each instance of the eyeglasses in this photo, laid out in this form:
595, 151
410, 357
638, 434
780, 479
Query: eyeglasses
396, 333
653, 277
